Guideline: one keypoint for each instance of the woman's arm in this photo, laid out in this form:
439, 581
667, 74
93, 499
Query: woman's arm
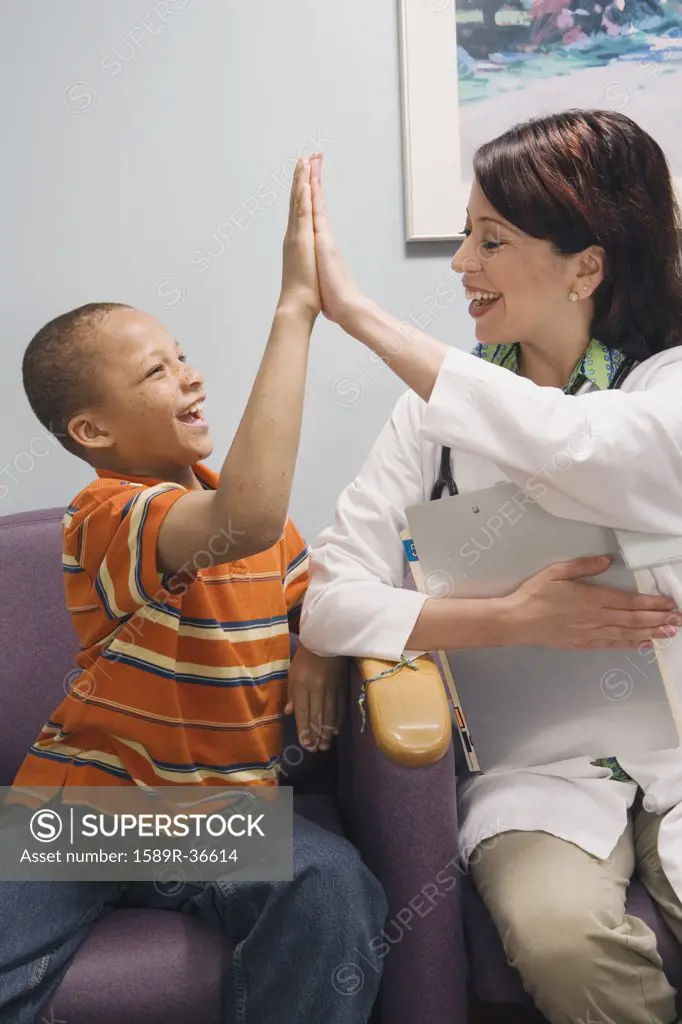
611, 458
551, 609
356, 604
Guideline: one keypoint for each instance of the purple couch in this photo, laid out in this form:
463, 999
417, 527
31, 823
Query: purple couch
160, 967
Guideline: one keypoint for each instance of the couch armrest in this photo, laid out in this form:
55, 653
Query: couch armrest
403, 819
408, 711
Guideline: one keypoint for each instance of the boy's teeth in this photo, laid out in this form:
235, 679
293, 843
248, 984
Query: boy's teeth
194, 412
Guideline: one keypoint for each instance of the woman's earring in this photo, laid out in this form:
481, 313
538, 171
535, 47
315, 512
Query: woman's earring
573, 297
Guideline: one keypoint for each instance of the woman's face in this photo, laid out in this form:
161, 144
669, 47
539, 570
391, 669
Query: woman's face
516, 285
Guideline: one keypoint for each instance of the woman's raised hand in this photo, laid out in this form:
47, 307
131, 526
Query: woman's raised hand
339, 293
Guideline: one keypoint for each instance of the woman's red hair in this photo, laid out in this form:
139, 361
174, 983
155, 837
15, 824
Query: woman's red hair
594, 177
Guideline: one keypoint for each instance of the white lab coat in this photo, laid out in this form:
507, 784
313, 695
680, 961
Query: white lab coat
612, 458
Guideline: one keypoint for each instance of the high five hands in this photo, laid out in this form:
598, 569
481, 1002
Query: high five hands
310, 245
415, 356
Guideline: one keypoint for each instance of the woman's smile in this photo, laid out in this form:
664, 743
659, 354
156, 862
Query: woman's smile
481, 302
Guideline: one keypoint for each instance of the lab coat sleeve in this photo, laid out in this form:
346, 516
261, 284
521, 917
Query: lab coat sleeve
355, 603
612, 458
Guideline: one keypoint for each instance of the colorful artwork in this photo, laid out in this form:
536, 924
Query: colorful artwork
528, 57
473, 68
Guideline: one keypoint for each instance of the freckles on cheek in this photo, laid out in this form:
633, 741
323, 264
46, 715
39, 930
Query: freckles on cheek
143, 410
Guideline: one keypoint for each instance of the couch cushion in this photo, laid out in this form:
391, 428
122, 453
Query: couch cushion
145, 967
494, 981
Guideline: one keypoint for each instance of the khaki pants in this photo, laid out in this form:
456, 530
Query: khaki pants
561, 915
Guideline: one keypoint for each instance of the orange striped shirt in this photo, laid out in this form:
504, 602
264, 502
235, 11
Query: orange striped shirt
183, 680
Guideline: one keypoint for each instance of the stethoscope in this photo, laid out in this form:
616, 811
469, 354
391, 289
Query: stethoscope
445, 478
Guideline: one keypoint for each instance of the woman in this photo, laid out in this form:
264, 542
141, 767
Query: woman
572, 267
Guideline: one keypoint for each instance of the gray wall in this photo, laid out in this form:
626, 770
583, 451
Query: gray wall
133, 132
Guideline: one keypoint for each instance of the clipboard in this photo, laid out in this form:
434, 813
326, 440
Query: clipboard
529, 706
648, 550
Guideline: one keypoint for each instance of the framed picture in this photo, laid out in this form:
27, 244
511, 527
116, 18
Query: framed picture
473, 68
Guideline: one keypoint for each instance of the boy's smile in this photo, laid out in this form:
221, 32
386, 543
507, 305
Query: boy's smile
193, 416
149, 420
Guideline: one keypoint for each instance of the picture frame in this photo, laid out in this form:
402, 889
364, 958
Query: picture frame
434, 209
472, 68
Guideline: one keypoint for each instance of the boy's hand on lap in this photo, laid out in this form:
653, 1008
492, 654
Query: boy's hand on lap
317, 697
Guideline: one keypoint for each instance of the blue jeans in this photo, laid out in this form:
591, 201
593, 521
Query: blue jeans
290, 937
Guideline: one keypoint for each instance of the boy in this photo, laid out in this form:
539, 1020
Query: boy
183, 586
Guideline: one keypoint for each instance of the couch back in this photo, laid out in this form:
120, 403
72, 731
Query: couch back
37, 640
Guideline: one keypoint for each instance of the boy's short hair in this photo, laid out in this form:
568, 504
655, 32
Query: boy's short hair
59, 368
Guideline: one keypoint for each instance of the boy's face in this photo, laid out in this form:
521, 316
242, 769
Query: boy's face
149, 421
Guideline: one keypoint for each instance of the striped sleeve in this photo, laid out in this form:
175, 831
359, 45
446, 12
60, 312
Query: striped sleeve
110, 535
296, 559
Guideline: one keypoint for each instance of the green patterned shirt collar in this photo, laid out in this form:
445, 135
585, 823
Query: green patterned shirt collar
598, 364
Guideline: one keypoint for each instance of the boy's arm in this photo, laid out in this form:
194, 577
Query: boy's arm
253, 494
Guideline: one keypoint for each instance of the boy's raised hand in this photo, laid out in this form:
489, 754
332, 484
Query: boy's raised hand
300, 288
339, 293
